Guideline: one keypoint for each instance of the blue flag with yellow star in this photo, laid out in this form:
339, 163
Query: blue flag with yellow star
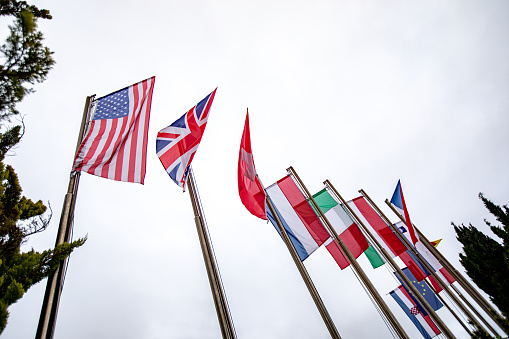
424, 290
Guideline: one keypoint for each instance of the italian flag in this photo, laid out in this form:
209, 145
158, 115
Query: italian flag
347, 230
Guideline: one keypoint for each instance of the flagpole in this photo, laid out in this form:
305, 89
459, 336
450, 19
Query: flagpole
55, 284
450, 310
462, 297
431, 270
216, 286
461, 280
464, 283
304, 273
441, 325
424, 262
357, 268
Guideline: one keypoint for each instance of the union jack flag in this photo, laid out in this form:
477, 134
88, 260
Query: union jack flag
177, 143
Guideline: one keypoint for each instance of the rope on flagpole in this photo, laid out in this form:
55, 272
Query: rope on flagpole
380, 313
202, 215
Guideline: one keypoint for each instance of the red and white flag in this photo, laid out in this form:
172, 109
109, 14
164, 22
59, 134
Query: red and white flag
398, 201
115, 145
379, 229
251, 191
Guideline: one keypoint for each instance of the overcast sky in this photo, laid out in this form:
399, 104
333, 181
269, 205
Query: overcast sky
360, 93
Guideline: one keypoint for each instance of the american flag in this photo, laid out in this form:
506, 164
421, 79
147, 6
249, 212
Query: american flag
177, 143
115, 146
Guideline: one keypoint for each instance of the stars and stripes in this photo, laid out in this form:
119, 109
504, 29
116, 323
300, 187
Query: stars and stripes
115, 145
177, 143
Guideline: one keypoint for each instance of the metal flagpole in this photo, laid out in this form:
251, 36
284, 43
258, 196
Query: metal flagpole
464, 283
419, 257
55, 284
462, 297
450, 310
216, 286
431, 270
408, 284
351, 259
424, 262
304, 273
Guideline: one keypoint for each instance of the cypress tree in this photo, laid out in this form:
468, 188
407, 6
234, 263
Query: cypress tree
486, 260
24, 61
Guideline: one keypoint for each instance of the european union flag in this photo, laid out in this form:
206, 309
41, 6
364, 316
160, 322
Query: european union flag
424, 290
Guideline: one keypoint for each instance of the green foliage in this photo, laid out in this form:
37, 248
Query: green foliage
486, 260
25, 59
21, 271
20, 217
480, 334
14, 8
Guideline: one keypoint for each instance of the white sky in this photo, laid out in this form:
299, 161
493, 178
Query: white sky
362, 94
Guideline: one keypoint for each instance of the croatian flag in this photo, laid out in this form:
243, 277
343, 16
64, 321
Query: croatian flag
421, 320
177, 143
300, 221
398, 201
115, 145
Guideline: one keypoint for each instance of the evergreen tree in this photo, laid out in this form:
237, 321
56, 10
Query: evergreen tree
486, 260
25, 61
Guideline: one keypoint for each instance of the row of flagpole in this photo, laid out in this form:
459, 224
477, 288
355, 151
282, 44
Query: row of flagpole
408, 284
112, 144
396, 326
305, 276
463, 282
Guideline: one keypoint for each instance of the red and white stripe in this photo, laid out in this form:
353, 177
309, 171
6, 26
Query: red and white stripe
424, 320
377, 226
117, 148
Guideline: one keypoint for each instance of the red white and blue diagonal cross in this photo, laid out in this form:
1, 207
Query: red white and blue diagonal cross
177, 143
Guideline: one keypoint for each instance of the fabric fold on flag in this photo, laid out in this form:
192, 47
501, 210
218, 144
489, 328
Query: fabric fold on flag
377, 226
374, 258
251, 191
414, 265
344, 225
441, 271
177, 144
423, 322
408, 230
298, 217
115, 144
